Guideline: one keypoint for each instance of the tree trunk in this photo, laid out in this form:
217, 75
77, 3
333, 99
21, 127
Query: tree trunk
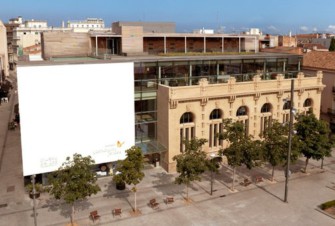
322, 163
211, 182
187, 192
72, 214
273, 173
233, 183
135, 200
307, 159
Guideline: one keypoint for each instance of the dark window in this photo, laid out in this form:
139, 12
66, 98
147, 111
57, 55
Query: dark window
308, 102
215, 114
266, 108
186, 118
287, 105
241, 111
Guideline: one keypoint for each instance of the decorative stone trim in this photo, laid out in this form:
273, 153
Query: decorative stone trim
301, 91
232, 99
257, 96
204, 101
173, 104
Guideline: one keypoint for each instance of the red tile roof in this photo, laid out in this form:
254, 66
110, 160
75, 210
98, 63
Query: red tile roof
319, 60
313, 45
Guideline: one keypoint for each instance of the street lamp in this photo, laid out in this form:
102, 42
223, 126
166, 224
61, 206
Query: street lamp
34, 201
287, 172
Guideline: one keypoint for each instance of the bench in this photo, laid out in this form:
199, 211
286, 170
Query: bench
169, 200
258, 179
117, 212
153, 204
94, 215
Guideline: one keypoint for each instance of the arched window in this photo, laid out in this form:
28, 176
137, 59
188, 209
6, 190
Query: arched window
266, 108
308, 102
266, 117
215, 114
186, 118
242, 111
286, 111
215, 127
287, 105
187, 129
242, 114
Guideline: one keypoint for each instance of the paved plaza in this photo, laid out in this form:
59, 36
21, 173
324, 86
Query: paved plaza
256, 204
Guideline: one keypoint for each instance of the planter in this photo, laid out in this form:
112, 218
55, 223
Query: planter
121, 186
37, 195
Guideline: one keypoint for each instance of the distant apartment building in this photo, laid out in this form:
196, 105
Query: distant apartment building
287, 41
24, 37
89, 23
268, 41
325, 61
4, 66
35, 24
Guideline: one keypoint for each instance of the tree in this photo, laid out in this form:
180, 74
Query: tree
191, 163
275, 145
242, 149
314, 139
332, 45
130, 169
74, 181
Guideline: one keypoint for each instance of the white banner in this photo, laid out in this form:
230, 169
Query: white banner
67, 109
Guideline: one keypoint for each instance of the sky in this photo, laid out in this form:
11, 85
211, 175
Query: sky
229, 16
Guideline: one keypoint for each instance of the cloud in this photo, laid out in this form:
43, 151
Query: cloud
315, 29
304, 28
331, 28
272, 28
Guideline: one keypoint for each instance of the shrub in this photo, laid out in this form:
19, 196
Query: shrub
38, 187
327, 205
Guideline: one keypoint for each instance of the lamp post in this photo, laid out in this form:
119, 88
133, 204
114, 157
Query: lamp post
34, 201
287, 172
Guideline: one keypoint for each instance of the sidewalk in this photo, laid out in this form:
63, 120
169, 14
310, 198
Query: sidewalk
12, 195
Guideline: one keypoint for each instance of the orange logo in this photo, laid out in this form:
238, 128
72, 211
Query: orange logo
119, 144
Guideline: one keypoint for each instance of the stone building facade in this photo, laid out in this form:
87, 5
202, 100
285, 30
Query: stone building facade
197, 111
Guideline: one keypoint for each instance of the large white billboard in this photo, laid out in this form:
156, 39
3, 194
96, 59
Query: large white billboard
67, 109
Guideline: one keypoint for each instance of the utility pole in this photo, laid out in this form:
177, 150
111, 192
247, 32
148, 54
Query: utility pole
287, 173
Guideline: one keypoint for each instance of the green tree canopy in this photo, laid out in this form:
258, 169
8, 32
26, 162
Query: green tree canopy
191, 163
130, 169
314, 137
74, 180
332, 45
275, 145
242, 149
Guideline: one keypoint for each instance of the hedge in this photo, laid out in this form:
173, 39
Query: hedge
327, 205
